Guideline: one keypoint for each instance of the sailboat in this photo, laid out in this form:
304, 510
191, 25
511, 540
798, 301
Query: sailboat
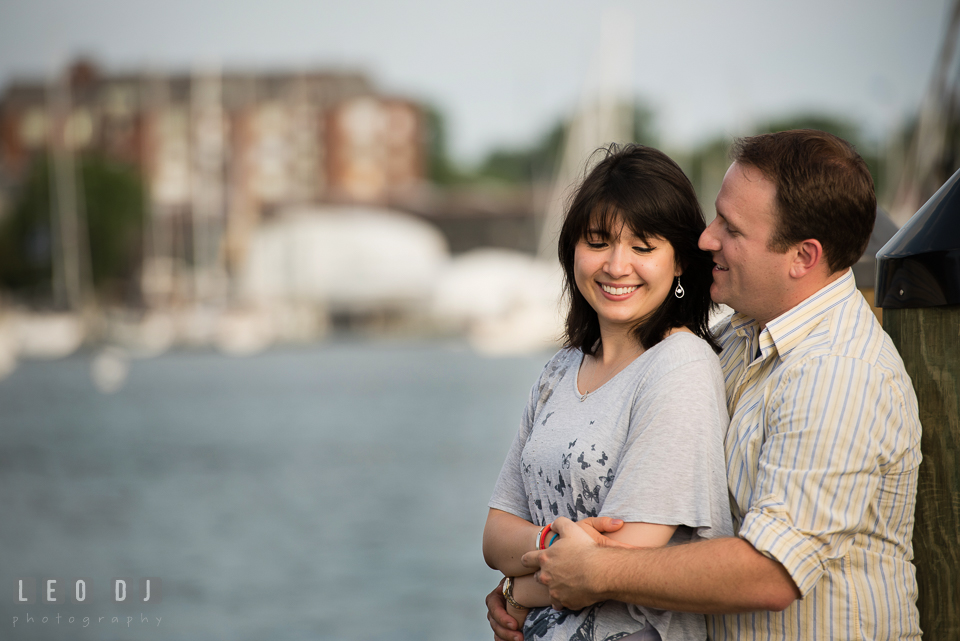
521, 322
55, 334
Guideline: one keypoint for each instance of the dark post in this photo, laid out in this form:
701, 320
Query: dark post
918, 287
865, 269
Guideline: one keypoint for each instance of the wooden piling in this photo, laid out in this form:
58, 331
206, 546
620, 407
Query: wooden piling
928, 340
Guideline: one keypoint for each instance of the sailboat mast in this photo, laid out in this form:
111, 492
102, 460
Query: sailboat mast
71, 253
604, 115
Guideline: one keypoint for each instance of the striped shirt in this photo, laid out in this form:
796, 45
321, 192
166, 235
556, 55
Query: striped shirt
822, 457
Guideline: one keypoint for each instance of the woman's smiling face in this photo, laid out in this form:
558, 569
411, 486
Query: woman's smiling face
623, 277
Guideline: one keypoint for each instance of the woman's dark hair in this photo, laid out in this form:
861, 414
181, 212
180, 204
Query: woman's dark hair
646, 191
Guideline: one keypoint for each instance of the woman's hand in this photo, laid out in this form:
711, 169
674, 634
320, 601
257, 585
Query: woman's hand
597, 526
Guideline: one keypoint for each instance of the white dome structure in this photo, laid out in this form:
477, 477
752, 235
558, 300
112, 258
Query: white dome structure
509, 302
352, 259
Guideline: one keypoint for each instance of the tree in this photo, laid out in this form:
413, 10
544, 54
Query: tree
539, 162
113, 199
440, 168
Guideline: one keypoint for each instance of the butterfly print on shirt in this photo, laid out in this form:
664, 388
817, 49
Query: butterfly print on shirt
559, 487
581, 508
608, 479
587, 630
541, 622
592, 495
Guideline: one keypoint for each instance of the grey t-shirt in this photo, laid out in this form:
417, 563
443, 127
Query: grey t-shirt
647, 446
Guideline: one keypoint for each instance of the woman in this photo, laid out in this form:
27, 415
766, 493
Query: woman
628, 419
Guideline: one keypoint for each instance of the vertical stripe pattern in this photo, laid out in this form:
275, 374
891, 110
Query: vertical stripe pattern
822, 458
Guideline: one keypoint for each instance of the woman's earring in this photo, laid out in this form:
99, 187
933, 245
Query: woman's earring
678, 292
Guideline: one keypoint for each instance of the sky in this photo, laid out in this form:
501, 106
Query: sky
503, 71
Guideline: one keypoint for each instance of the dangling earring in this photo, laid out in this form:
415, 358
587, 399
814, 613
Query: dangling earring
678, 292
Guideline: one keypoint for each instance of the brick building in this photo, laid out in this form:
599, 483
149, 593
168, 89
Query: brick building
220, 150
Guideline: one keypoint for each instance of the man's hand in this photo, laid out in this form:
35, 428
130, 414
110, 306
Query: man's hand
595, 527
565, 566
503, 625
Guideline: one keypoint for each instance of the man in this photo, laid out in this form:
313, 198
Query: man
824, 441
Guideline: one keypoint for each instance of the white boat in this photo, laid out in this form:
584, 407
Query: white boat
46, 335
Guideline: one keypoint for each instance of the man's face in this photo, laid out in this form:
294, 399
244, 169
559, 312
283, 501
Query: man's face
747, 275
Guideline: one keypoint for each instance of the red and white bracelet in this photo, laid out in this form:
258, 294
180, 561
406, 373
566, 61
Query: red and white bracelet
541, 543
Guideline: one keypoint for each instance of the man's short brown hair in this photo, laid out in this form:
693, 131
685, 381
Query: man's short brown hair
824, 191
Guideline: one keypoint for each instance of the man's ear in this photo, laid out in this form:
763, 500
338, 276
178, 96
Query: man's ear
808, 255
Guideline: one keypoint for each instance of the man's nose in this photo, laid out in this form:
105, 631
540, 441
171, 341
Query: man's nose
708, 241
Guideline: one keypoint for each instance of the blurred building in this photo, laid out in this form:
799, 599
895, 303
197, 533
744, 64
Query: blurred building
219, 151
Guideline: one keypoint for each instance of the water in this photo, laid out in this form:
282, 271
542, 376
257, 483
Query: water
330, 492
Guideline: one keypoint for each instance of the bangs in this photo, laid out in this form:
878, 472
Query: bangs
610, 220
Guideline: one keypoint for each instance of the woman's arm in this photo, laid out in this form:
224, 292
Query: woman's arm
506, 538
643, 535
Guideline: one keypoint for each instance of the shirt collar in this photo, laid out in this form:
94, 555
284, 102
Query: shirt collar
790, 328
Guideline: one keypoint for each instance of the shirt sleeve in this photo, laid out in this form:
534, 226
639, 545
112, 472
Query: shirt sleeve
671, 470
830, 435
509, 493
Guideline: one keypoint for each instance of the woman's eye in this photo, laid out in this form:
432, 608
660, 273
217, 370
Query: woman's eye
643, 250
596, 245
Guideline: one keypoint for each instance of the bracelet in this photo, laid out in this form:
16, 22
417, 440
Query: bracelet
536, 541
542, 538
508, 594
553, 539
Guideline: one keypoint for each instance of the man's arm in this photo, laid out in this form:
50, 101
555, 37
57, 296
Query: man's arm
719, 576
504, 626
506, 538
